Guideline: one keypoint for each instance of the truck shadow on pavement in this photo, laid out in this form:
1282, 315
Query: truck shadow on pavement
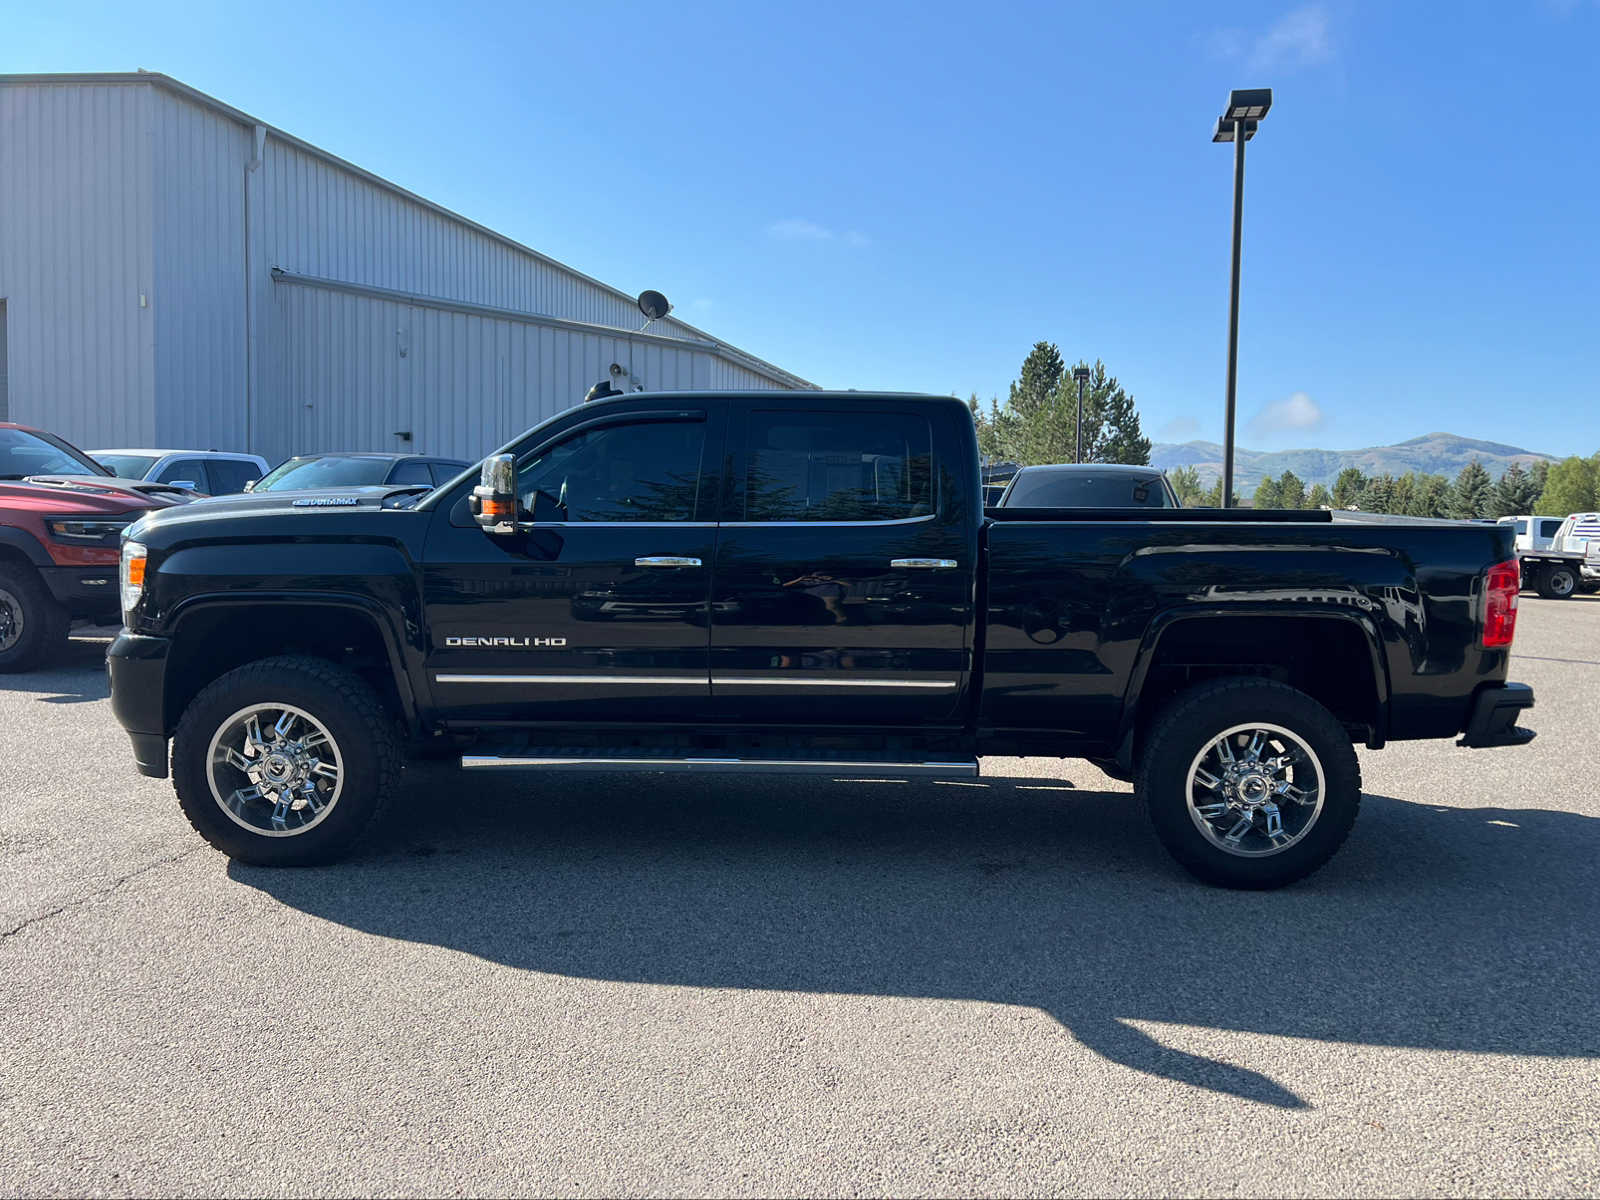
1435, 928
74, 675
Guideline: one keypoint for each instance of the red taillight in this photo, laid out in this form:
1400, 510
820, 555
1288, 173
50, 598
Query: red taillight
1501, 586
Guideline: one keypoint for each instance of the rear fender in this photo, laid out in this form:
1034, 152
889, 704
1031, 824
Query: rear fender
1164, 623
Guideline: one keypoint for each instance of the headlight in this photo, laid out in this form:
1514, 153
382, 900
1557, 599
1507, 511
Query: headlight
131, 574
87, 531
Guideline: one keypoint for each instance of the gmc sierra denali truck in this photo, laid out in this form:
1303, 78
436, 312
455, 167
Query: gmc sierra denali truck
795, 582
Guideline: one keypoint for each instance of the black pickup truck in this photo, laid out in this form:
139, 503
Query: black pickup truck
795, 582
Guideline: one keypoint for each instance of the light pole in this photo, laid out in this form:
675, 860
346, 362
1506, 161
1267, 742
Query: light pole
1246, 108
1081, 374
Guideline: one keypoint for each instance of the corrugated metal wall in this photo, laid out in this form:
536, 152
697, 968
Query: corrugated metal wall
359, 371
135, 187
199, 161
76, 255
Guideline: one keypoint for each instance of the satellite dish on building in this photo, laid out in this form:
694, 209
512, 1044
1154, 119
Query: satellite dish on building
654, 306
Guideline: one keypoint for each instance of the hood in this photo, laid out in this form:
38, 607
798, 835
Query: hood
69, 499
343, 499
313, 508
136, 492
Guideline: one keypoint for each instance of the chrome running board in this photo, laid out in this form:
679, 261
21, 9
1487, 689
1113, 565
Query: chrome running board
854, 768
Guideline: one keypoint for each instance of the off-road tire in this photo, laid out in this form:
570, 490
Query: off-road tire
1559, 582
44, 621
341, 701
1194, 718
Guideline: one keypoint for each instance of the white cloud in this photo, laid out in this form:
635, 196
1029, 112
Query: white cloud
1295, 414
798, 229
1299, 39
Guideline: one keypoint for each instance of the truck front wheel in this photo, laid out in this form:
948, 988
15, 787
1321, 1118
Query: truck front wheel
32, 625
1250, 783
285, 762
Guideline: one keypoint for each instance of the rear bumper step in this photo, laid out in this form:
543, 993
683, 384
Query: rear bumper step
1493, 721
854, 768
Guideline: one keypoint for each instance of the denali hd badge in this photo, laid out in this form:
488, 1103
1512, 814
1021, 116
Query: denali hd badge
326, 502
515, 642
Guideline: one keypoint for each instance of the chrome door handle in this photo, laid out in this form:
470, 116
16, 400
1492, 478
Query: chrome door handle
665, 560
925, 564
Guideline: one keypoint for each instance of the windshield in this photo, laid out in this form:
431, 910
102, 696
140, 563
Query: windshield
23, 453
327, 471
126, 466
1086, 489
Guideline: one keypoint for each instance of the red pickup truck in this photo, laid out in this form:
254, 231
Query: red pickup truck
59, 541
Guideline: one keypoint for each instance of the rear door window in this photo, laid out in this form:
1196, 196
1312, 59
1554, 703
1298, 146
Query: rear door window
412, 471
229, 475
444, 472
822, 466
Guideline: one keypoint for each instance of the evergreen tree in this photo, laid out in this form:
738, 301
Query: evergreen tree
1404, 489
1430, 497
1319, 497
1185, 482
1291, 491
1213, 496
1378, 495
1573, 485
1538, 476
1469, 496
1267, 493
988, 435
1032, 428
1348, 487
1118, 436
1515, 494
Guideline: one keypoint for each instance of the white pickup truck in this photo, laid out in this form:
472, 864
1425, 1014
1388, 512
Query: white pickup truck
1553, 555
1580, 535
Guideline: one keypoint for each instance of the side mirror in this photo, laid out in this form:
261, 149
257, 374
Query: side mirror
251, 486
494, 501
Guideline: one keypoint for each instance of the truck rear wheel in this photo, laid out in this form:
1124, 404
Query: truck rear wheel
1249, 783
1558, 582
285, 762
32, 625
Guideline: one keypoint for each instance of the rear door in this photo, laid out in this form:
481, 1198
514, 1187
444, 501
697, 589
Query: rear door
598, 610
843, 590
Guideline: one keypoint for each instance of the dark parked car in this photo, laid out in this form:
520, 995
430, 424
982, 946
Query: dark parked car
1088, 485
307, 472
797, 582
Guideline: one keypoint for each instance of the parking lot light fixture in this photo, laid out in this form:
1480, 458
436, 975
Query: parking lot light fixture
1246, 107
1248, 104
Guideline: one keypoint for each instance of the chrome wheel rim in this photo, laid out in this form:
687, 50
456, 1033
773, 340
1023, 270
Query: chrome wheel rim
1255, 790
275, 770
11, 621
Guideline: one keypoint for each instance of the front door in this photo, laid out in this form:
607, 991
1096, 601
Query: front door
842, 593
597, 609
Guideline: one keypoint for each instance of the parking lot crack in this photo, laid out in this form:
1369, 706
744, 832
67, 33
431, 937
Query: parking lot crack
114, 885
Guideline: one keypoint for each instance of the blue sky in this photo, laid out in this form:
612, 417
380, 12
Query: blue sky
910, 195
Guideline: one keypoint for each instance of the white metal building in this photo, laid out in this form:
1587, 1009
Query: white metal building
176, 273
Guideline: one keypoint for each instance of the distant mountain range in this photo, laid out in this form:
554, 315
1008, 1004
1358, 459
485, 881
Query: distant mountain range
1432, 453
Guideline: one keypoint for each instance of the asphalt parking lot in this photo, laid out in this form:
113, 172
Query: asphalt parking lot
595, 985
